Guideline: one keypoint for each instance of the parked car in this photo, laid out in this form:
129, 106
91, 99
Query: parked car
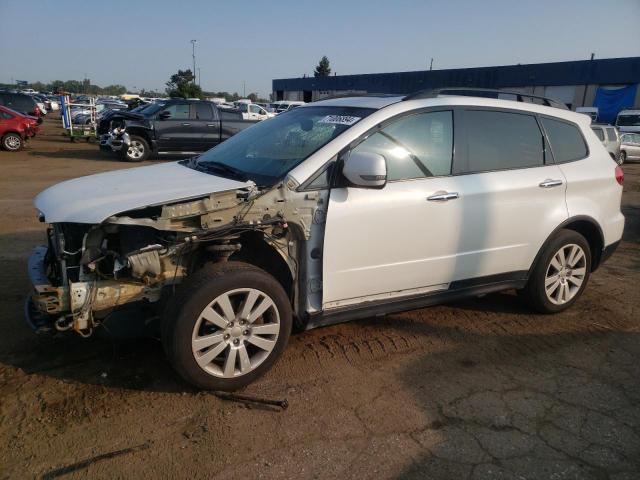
21, 102
591, 112
55, 102
177, 127
252, 111
44, 100
629, 147
628, 121
610, 138
15, 129
283, 106
340, 209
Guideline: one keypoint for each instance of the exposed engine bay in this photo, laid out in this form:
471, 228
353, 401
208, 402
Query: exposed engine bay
88, 271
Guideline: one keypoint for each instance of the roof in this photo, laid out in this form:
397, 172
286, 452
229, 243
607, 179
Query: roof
365, 101
579, 72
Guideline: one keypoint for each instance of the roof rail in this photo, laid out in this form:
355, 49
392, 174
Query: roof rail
485, 93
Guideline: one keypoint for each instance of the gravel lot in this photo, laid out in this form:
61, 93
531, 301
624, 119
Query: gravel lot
476, 389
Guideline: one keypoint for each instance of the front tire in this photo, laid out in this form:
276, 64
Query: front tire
12, 142
226, 326
560, 274
137, 150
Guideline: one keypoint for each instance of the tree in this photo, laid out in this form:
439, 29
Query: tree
323, 69
181, 85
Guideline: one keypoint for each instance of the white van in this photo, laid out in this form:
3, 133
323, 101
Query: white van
628, 121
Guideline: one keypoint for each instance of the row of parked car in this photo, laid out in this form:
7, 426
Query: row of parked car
620, 146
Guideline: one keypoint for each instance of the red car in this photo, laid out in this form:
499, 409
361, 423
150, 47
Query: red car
15, 129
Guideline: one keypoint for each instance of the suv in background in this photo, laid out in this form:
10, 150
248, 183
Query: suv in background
340, 209
21, 103
610, 138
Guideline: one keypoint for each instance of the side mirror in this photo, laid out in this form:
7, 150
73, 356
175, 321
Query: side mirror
164, 115
365, 170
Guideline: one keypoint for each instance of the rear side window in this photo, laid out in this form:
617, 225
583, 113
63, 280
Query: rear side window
611, 135
599, 133
566, 140
5, 116
203, 111
502, 140
415, 146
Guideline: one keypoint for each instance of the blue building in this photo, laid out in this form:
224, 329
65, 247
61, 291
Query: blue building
574, 83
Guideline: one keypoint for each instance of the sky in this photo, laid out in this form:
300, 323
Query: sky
247, 43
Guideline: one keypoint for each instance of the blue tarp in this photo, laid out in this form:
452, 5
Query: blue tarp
611, 101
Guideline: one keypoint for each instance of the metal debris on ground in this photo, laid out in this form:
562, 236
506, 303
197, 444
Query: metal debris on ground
250, 399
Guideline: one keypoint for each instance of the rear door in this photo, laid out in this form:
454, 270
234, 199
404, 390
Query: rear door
206, 125
176, 133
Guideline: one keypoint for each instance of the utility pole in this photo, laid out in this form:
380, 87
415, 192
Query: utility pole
431, 64
193, 54
244, 89
199, 76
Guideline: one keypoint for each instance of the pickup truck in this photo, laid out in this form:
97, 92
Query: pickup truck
176, 127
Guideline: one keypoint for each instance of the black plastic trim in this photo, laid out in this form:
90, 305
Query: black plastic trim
458, 290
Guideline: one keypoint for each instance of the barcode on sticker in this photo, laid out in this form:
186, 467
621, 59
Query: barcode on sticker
340, 119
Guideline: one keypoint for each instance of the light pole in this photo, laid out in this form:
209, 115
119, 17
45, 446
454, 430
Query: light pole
199, 76
193, 54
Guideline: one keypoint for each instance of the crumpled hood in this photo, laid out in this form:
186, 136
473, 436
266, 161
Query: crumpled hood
95, 198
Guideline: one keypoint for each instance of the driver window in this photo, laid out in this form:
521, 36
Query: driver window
178, 111
415, 146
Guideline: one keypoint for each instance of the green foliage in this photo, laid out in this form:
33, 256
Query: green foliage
181, 85
72, 86
323, 69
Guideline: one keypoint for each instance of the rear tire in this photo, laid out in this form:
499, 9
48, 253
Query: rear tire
12, 142
137, 151
226, 326
622, 158
560, 274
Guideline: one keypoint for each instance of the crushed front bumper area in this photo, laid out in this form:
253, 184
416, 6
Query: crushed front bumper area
110, 142
76, 305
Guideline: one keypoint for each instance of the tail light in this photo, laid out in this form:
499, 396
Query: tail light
37, 111
619, 175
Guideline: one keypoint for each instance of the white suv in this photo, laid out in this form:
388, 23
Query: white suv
339, 209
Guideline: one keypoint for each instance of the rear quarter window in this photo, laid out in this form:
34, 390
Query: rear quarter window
566, 140
500, 141
611, 134
599, 133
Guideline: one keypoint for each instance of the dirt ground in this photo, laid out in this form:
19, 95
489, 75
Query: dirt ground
480, 389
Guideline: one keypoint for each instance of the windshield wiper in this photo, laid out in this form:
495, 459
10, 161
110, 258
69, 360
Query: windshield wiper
219, 167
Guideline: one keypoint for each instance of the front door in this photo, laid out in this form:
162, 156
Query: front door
175, 133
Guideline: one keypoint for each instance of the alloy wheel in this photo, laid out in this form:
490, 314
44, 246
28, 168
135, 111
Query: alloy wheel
12, 142
565, 274
235, 333
135, 149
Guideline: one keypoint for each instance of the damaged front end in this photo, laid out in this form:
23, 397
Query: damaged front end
88, 271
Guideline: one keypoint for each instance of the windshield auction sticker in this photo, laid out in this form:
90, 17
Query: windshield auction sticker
340, 119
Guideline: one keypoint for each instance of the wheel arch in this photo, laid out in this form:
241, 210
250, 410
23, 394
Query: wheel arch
256, 251
586, 226
141, 132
